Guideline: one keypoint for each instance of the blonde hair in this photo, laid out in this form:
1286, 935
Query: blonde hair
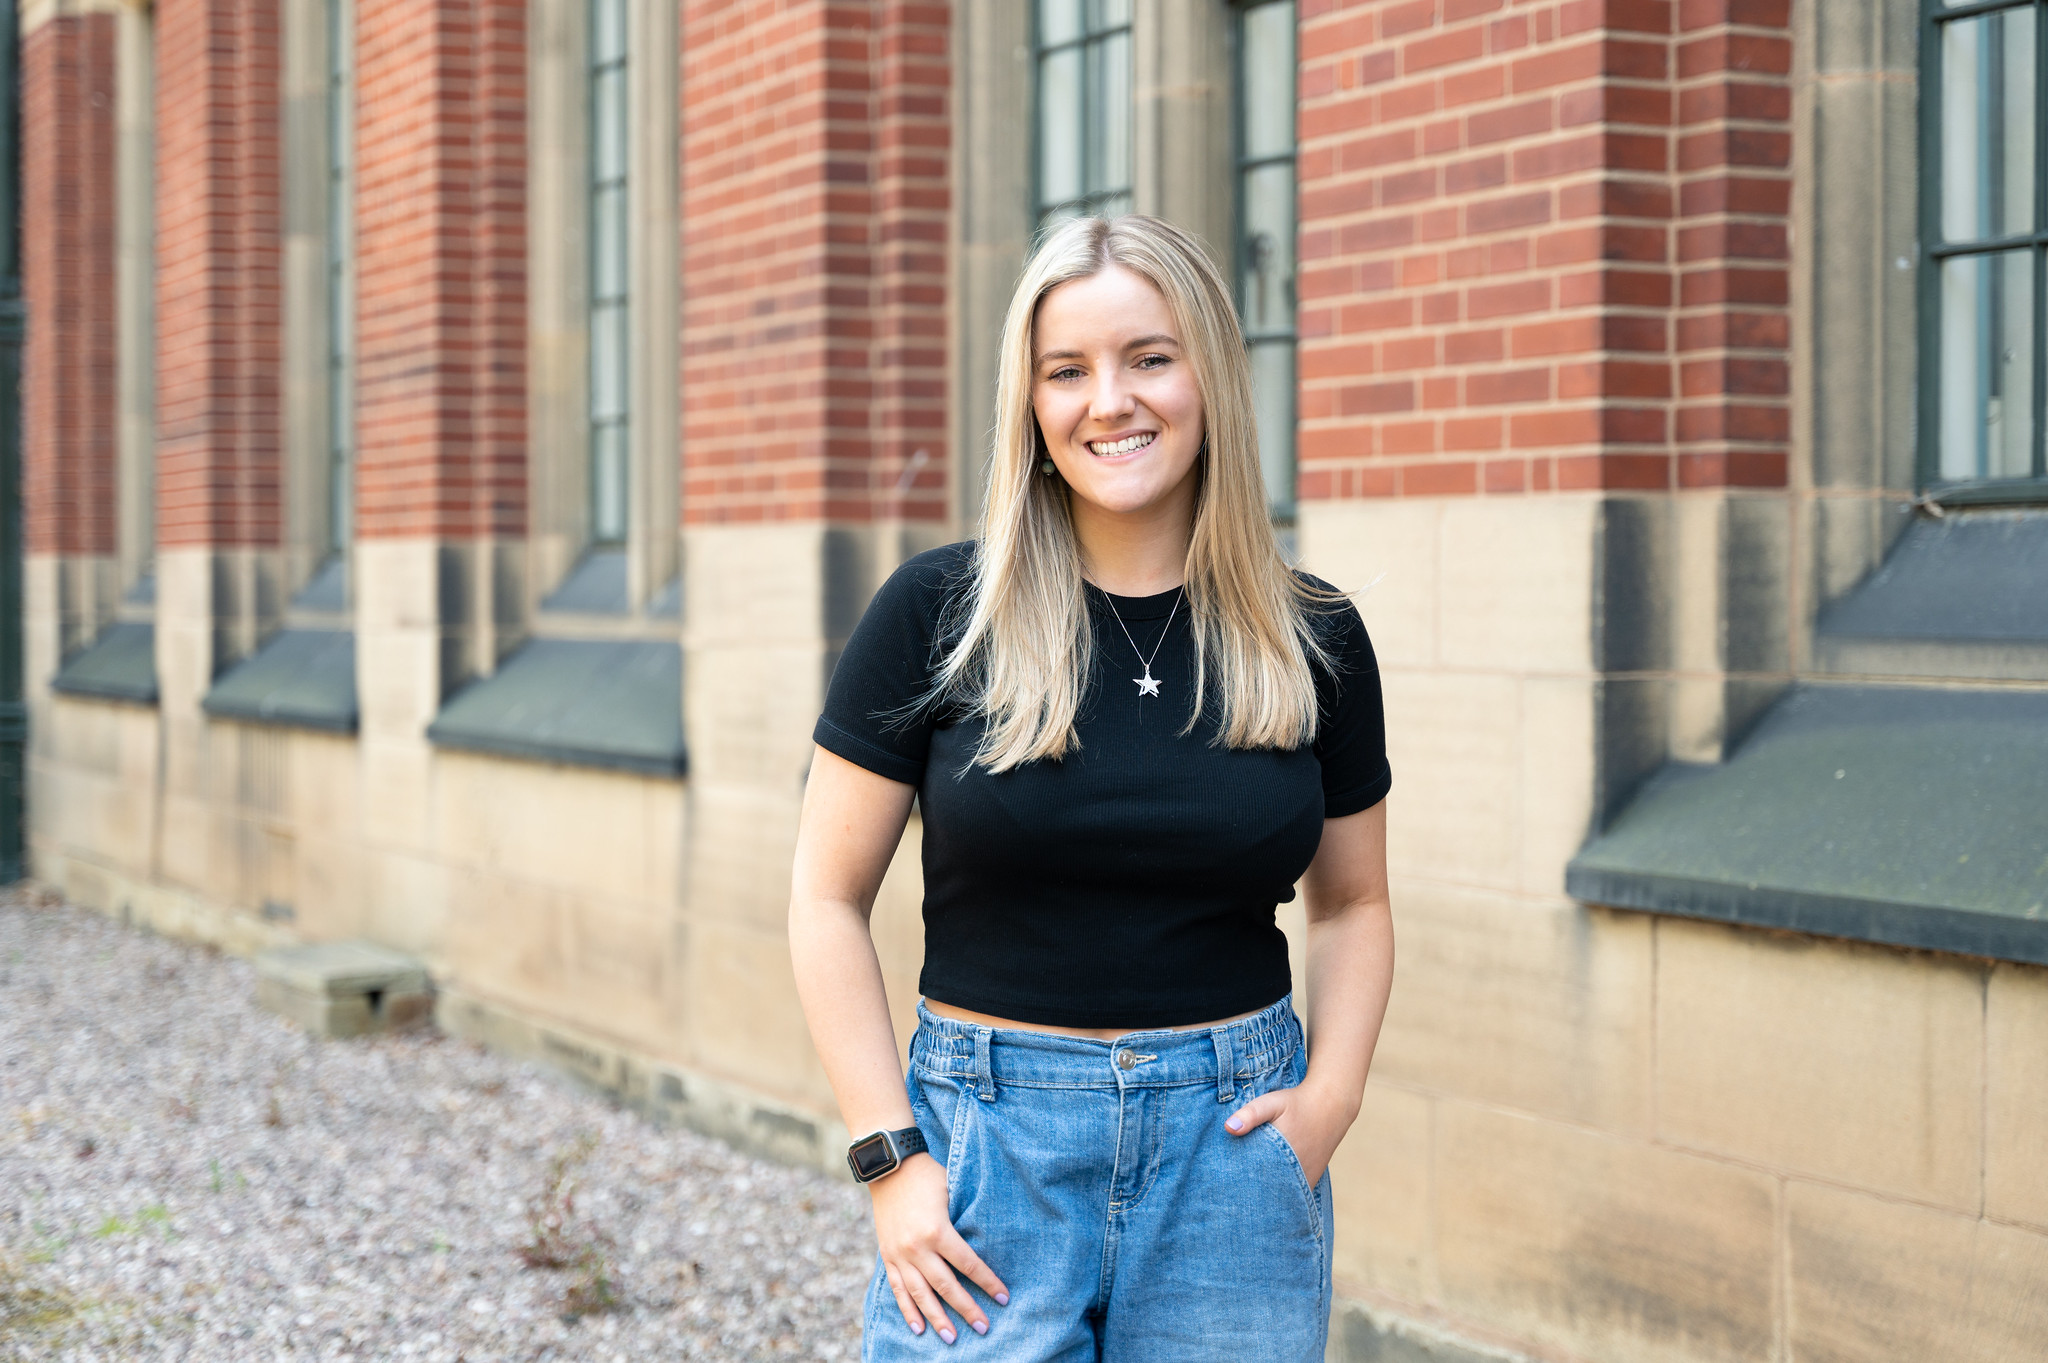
1023, 644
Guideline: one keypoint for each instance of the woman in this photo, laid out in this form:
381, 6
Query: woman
1132, 730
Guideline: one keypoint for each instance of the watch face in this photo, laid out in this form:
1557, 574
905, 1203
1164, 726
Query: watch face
872, 1157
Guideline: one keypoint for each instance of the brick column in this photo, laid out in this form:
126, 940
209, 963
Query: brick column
813, 371
219, 406
1734, 197
441, 492
1544, 251
219, 300
69, 399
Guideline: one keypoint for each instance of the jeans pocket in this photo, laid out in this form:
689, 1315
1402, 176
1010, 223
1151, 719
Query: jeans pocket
1285, 1150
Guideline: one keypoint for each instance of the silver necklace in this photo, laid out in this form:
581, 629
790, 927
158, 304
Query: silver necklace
1148, 685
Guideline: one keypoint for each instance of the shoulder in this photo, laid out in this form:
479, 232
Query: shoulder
944, 569
1335, 623
918, 594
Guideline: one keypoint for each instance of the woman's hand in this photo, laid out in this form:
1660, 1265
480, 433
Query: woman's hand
921, 1250
1310, 1122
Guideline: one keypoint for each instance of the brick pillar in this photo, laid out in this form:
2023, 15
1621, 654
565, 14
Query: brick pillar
1544, 254
219, 393
69, 399
218, 309
1734, 198
813, 371
441, 492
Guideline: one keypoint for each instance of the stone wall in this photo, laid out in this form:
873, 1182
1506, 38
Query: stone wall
1565, 425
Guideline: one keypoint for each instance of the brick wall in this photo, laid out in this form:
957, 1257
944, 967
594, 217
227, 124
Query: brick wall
68, 368
219, 290
814, 218
1732, 163
1543, 246
441, 268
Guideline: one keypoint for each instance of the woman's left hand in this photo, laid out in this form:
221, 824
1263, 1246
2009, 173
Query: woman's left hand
1309, 1122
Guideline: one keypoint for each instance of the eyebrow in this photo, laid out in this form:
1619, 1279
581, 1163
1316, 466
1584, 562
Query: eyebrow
1158, 338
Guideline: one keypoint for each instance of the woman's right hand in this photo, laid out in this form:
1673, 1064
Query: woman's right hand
921, 1250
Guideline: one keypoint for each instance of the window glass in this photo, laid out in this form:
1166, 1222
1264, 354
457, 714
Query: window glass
1987, 366
1265, 235
1984, 350
1084, 107
340, 247
610, 338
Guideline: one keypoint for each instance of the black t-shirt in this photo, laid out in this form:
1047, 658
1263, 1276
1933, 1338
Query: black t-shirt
1131, 883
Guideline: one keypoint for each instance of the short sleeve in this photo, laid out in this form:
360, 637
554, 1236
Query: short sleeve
1351, 735
874, 713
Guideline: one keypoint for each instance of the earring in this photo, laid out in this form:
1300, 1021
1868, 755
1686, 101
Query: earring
1045, 466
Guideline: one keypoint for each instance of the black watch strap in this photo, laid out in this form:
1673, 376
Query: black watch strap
875, 1156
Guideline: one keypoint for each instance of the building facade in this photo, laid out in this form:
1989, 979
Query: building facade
459, 435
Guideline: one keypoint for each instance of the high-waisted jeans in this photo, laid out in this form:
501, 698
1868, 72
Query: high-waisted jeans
1097, 1180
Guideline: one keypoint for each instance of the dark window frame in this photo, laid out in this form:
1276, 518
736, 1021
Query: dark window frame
606, 309
1935, 250
339, 276
1241, 166
1044, 213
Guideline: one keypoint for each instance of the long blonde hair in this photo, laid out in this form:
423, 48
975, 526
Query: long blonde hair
1022, 646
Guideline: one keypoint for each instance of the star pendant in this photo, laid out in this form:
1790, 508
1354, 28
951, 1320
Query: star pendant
1148, 685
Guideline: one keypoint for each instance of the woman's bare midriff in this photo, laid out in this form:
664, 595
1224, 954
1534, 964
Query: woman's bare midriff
947, 1010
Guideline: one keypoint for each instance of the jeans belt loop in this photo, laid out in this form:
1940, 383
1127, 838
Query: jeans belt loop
1226, 1063
984, 1073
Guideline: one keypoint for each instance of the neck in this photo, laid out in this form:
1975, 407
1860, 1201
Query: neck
1137, 553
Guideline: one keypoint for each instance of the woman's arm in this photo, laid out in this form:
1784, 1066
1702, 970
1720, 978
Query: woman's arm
1350, 972
852, 821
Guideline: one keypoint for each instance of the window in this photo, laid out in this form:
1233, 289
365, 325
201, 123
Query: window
1084, 108
1984, 215
1265, 232
610, 337
340, 282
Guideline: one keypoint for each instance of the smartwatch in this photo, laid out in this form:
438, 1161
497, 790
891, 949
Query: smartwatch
871, 1157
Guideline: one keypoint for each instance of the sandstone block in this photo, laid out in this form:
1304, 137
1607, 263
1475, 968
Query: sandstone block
1884, 1282
1538, 1005
342, 989
2016, 1096
1854, 1063
1611, 1250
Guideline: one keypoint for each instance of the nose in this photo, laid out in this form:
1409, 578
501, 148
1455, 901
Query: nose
1109, 400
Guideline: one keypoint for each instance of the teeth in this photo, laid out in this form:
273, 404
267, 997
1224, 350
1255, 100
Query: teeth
1124, 446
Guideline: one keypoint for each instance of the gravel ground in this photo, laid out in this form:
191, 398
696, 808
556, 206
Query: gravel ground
183, 1176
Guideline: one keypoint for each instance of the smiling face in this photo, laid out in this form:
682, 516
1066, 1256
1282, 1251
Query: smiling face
1116, 398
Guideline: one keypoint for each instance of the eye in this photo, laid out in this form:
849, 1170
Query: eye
1064, 373
1154, 361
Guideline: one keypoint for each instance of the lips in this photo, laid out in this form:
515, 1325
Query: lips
1110, 449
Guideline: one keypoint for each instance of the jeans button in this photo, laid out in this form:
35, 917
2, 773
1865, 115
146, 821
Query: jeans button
1125, 1060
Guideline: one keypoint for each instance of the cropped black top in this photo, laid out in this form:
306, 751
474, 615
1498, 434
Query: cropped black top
1133, 882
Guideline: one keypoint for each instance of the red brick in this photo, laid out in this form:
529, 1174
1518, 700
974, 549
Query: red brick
219, 275
1423, 54
1439, 479
1507, 386
841, 355
67, 214
440, 261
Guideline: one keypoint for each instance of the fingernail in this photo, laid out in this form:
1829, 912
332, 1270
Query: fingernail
981, 1327
1002, 1299
946, 1335
1235, 1123
917, 1327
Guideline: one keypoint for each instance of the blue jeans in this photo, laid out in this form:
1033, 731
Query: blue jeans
1097, 1180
